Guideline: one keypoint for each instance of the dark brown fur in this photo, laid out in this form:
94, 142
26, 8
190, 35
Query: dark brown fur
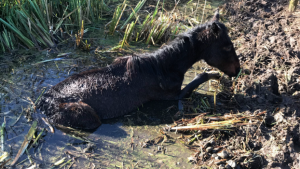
81, 100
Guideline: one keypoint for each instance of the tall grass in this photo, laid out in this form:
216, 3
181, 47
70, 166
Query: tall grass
42, 23
156, 28
6, 40
35, 23
116, 18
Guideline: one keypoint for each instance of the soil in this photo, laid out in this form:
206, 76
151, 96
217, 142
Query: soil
267, 40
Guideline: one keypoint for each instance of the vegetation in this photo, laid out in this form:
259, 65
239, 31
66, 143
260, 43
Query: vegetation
293, 5
156, 27
36, 23
43, 24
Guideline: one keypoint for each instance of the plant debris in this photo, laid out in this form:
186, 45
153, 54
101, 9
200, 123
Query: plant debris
225, 122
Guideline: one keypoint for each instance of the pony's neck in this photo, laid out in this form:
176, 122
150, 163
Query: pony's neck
180, 55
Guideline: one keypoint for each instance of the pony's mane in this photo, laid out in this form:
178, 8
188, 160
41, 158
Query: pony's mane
156, 63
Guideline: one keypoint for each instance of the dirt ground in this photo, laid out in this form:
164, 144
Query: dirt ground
267, 39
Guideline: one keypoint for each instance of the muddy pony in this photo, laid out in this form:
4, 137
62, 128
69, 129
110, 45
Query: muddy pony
83, 99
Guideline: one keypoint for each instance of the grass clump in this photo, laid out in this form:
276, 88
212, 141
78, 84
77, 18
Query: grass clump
37, 23
156, 28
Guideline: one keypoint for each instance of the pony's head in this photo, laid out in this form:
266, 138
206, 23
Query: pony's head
217, 49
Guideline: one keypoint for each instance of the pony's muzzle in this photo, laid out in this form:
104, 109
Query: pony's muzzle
234, 70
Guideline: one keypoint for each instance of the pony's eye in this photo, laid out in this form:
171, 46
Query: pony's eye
227, 48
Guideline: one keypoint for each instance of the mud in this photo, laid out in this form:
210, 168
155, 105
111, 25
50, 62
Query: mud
266, 38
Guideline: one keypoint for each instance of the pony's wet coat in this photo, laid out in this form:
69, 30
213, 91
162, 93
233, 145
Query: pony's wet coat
81, 100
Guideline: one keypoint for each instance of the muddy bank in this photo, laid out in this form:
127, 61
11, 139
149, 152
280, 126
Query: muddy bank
266, 37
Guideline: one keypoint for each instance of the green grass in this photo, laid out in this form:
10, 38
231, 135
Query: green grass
116, 18
156, 28
41, 24
34, 23
160, 26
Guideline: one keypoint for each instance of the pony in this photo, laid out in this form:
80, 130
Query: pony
82, 100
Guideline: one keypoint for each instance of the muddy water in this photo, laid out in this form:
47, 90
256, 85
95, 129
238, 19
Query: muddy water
23, 85
116, 144
112, 140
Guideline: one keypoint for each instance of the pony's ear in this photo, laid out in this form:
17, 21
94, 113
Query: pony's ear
215, 29
216, 16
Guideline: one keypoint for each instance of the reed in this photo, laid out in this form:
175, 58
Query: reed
156, 28
43, 23
134, 12
36, 23
116, 18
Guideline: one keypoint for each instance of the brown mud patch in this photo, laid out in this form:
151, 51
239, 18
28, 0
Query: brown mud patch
266, 38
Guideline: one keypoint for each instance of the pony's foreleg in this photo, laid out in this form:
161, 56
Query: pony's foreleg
199, 79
